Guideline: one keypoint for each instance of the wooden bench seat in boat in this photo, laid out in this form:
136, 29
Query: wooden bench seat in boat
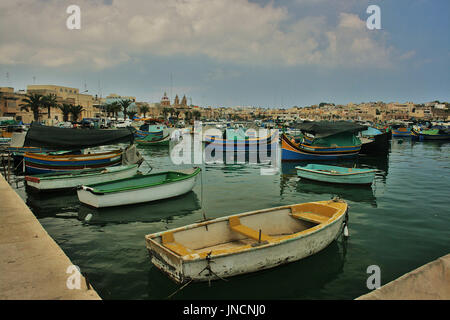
235, 225
311, 217
169, 242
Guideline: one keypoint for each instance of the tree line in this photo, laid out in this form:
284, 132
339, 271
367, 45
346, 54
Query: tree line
37, 103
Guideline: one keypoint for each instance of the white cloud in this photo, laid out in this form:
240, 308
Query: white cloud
239, 32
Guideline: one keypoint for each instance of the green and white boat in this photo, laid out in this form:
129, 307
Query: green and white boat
152, 141
67, 180
138, 189
334, 174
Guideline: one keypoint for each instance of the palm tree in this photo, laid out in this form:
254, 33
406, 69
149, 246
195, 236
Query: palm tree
144, 109
114, 108
125, 104
131, 114
50, 102
33, 102
76, 111
66, 110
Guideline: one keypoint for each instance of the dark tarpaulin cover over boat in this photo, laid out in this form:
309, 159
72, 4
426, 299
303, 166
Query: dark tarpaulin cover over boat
323, 129
75, 139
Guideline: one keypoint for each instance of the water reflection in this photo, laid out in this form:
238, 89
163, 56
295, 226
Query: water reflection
352, 193
293, 280
54, 204
145, 212
290, 181
437, 145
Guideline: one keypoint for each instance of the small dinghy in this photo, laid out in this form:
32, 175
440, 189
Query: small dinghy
246, 242
67, 180
334, 174
138, 189
151, 141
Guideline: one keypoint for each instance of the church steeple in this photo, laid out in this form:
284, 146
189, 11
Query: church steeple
184, 101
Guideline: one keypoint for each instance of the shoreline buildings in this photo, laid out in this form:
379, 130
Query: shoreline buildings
10, 101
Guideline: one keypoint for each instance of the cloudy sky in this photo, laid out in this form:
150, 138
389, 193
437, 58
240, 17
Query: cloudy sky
232, 52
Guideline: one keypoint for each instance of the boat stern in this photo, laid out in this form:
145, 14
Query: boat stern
164, 259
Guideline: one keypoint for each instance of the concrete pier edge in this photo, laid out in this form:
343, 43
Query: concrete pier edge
32, 265
428, 282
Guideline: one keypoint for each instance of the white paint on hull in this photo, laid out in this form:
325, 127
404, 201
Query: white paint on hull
113, 173
292, 239
164, 191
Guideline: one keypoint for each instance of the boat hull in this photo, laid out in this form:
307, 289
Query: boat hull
252, 144
379, 144
153, 193
290, 152
38, 164
68, 181
253, 259
357, 178
423, 136
159, 142
401, 133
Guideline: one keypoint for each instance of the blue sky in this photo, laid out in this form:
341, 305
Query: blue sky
232, 52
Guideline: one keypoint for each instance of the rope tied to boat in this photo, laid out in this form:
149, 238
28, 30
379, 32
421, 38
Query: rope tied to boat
208, 267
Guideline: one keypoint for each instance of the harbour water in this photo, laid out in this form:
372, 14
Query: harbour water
399, 223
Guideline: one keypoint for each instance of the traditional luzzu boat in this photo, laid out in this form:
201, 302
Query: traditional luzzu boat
400, 131
152, 128
323, 141
42, 163
67, 180
237, 140
374, 141
246, 242
153, 141
431, 134
76, 139
335, 174
138, 189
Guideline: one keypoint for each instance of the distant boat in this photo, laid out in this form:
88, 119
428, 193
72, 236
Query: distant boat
153, 141
236, 140
66, 180
323, 141
335, 174
43, 163
246, 242
398, 131
292, 151
374, 141
138, 189
152, 128
431, 134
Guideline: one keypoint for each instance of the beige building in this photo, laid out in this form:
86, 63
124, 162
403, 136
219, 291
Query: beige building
66, 95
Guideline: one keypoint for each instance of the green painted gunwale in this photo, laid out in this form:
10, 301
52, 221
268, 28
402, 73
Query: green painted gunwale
166, 179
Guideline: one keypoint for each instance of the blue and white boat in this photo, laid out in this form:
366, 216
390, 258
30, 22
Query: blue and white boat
334, 174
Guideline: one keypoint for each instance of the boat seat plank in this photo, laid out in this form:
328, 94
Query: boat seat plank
311, 217
169, 242
235, 225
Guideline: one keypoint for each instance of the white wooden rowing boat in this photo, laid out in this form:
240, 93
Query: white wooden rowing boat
246, 242
138, 189
67, 180
335, 174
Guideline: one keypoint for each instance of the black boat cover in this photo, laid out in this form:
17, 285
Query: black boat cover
75, 139
323, 129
